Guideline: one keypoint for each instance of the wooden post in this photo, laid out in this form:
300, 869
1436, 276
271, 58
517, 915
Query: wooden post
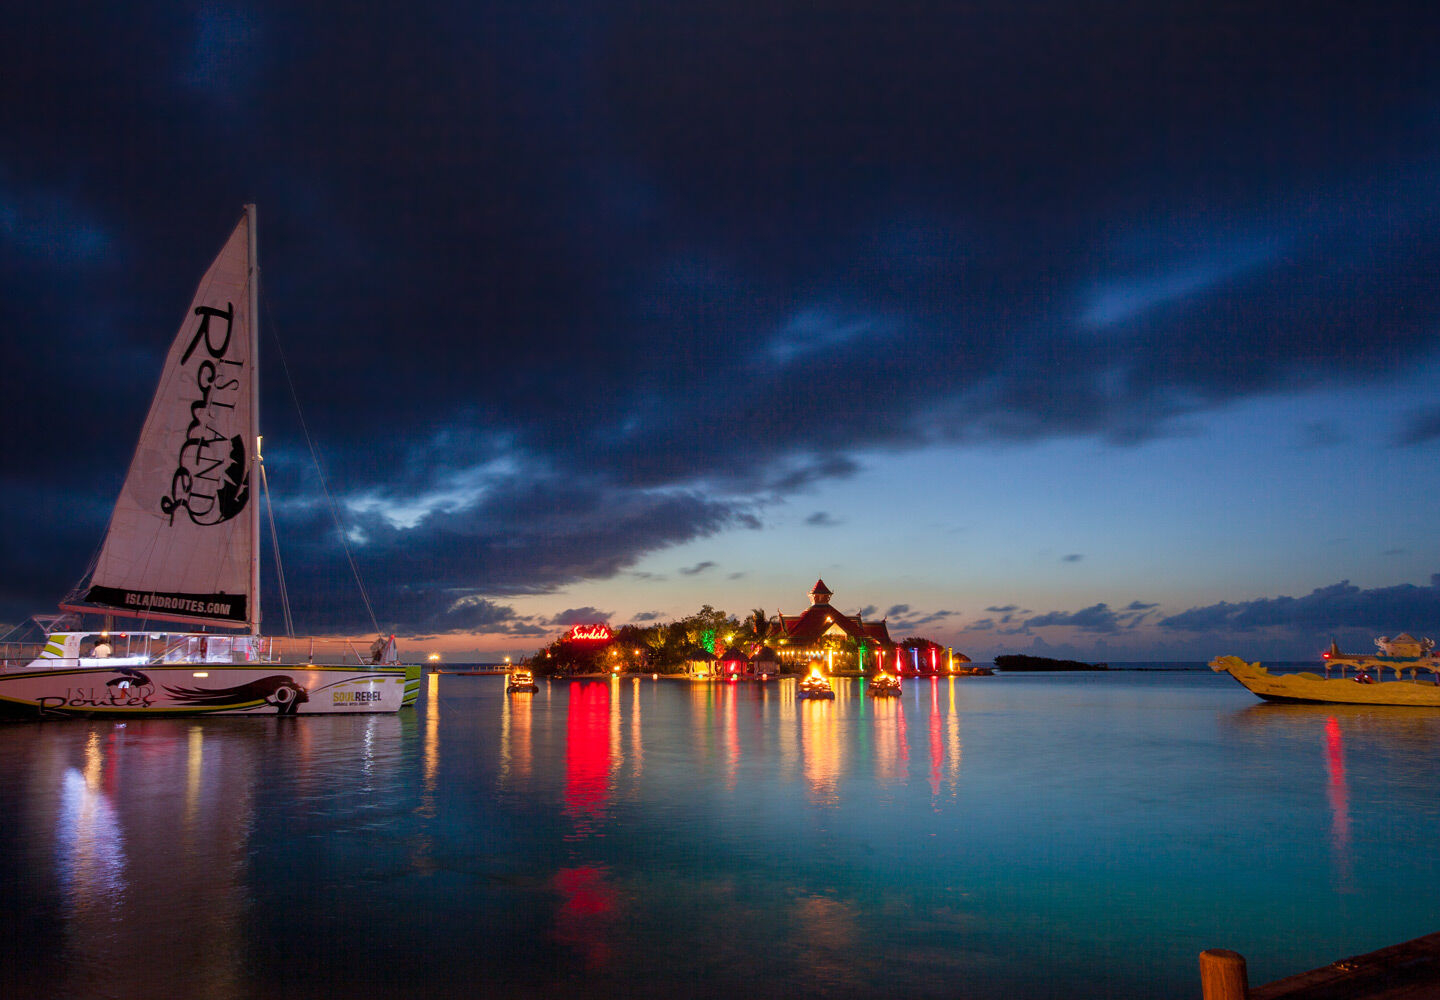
1222, 975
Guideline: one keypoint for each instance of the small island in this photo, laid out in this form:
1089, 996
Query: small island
1019, 661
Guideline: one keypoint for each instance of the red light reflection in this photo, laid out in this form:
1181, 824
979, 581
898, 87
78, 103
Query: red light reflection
589, 753
586, 914
1338, 795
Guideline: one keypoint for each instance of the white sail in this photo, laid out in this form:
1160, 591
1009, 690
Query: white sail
181, 541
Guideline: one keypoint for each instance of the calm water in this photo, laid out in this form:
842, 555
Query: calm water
1021, 836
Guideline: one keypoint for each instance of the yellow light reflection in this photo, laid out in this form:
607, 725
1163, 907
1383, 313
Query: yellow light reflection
515, 741
432, 745
821, 748
637, 745
194, 771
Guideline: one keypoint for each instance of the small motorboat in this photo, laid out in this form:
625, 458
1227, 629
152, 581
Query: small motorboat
816, 686
521, 682
884, 685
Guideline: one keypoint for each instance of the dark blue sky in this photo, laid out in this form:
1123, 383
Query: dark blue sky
1103, 328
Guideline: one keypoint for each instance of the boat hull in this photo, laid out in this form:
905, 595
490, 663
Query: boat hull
1313, 689
177, 689
413, 671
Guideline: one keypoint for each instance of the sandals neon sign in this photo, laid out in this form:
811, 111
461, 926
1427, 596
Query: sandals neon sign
590, 633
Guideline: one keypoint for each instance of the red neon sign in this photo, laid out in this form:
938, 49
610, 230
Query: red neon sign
599, 632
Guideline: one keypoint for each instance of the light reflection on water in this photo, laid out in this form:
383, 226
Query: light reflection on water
1088, 836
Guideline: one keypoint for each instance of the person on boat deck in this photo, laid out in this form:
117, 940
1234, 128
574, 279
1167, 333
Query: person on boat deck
102, 649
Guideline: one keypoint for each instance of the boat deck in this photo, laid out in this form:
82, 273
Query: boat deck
1408, 971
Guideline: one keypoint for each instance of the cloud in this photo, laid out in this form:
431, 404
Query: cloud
579, 616
910, 622
720, 276
477, 614
225, 55
47, 228
1322, 434
1421, 427
1073, 557
528, 539
1341, 605
1096, 618
821, 519
697, 569
814, 331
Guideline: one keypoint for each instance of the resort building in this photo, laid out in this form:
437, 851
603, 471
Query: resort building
820, 633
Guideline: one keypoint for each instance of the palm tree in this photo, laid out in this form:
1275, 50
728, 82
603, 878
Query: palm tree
756, 626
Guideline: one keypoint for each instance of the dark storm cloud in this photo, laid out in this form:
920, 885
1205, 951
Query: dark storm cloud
1096, 618
1099, 619
521, 539
561, 285
1341, 605
579, 616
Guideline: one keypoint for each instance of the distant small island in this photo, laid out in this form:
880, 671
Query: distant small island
1019, 661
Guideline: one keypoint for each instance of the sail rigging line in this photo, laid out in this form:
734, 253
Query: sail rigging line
319, 468
275, 547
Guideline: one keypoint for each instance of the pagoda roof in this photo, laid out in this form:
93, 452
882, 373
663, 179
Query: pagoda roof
817, 620
878, 631
820, 588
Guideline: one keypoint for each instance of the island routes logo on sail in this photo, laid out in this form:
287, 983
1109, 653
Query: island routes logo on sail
211, 482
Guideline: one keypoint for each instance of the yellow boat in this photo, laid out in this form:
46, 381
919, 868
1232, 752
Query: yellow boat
885, 686
521, 682
816, 686
1364, 679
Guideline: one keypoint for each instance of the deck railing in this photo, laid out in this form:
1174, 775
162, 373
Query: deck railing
141, 648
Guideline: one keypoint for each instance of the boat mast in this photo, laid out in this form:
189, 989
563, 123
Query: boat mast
254, 285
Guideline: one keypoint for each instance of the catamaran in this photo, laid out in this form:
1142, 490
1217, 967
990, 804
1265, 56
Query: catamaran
183, 547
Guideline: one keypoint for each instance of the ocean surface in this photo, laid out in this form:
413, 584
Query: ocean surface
1018, 836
